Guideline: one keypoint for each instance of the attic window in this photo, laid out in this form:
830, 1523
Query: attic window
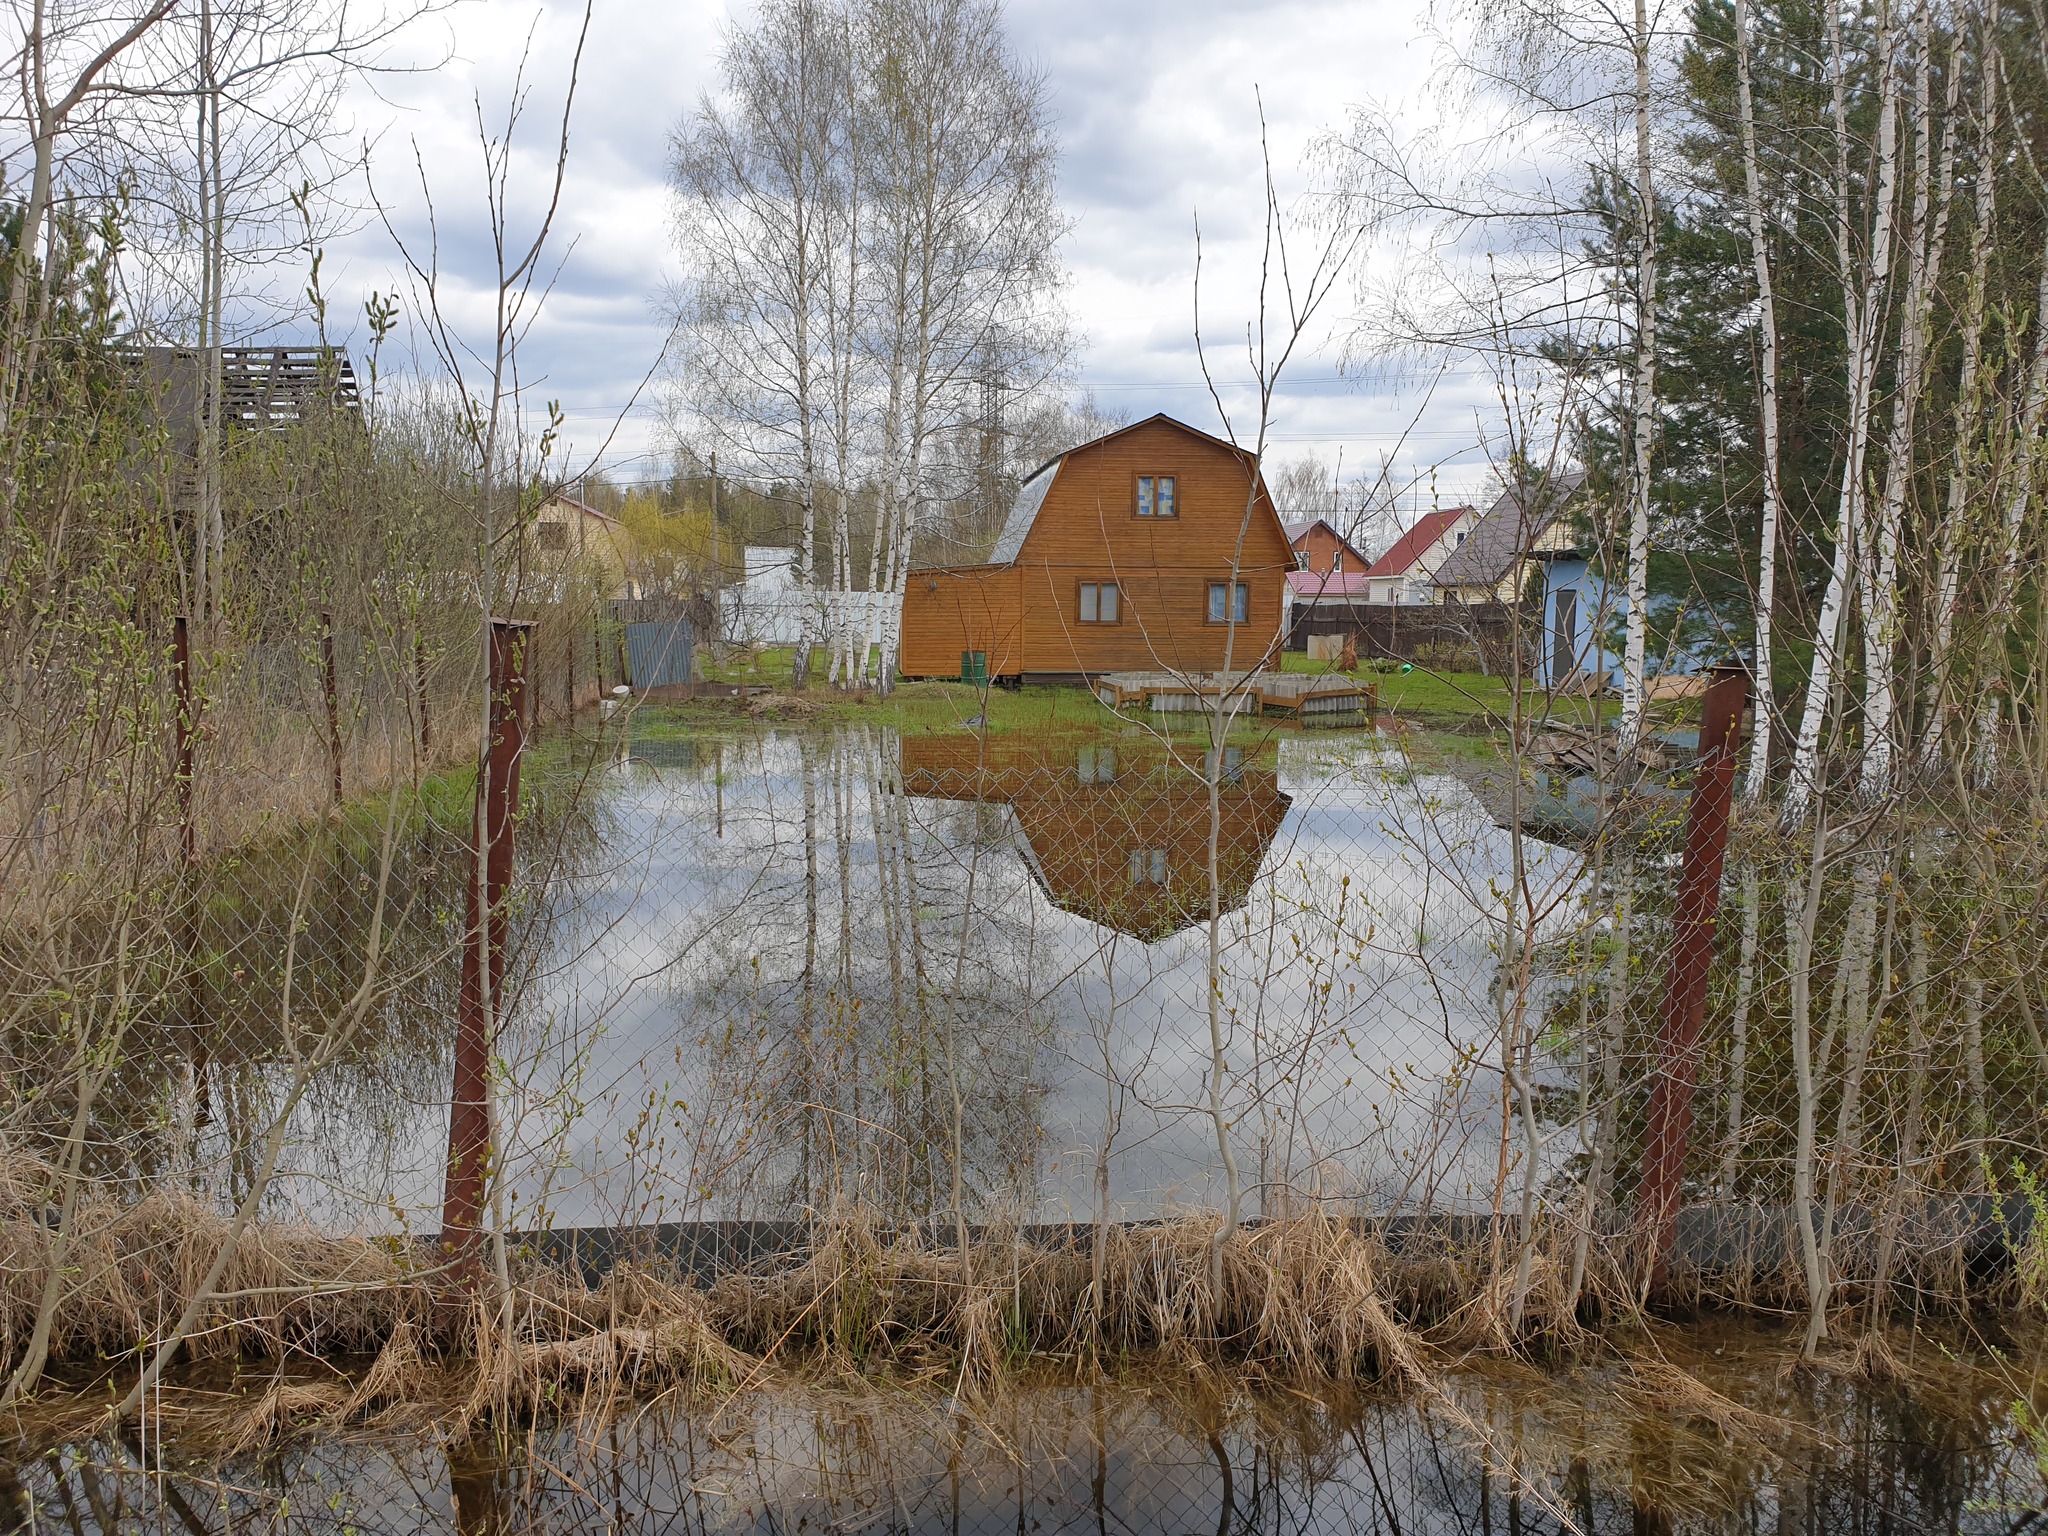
1336, 562
552, 535
1155, 496
1301, 559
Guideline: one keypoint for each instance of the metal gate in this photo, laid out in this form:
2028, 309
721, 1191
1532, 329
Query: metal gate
657, 654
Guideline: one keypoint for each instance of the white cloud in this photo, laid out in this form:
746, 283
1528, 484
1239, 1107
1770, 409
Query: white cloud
1155, 107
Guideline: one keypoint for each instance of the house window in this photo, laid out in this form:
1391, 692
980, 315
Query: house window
552, 535
1301, 559
1155, 496
1148, 866
1461, 539
1097, 765
1230, 602
1099, 602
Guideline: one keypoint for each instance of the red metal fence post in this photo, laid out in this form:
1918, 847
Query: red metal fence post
481, 1003
330, 687
1669, 1128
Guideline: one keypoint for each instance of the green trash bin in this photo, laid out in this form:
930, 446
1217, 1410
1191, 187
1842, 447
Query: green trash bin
974, 668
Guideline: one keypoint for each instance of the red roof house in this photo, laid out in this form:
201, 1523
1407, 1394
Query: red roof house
1402, 575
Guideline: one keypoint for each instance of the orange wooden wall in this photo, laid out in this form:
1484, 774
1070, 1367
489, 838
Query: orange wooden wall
1027, 616
1322, 546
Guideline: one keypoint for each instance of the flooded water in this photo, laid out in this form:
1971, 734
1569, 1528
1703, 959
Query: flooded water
785, 970
1596, 1451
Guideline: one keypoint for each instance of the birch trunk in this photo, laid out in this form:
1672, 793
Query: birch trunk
1862, 316
1612, 1028
1802, 917
1756, 780
1858, 950
1927, 237
1738, 1026
1643, 405
1967, 428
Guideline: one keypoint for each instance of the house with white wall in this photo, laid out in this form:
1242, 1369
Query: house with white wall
1403, 576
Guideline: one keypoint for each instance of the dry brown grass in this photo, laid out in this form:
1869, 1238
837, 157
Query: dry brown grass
367, 1331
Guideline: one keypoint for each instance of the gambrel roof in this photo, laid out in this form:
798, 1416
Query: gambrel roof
1031, 494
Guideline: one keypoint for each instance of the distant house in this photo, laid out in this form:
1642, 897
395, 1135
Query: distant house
565, 532
1320, 549
263, 390
1582, 618
1153, 547
1404, 574
1525, 523
770, 607
1328, 578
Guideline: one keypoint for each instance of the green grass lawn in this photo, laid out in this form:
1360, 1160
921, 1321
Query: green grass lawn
1460, 701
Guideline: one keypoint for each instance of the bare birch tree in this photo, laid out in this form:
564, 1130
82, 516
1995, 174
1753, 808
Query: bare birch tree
1755, 781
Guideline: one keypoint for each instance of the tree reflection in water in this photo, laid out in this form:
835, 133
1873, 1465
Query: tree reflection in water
1485, 1455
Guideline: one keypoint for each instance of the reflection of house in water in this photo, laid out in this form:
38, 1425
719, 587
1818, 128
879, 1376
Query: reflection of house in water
1114, 830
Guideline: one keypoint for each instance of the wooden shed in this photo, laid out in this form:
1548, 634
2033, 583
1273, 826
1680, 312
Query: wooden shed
1155, 547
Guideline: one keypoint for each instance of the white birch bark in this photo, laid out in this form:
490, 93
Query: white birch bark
1754, 783
1802, 916
1863, 286
1926, 239
1643, 404
1967, 429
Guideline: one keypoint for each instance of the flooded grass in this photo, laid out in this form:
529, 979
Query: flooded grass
1705, 1429
1231, 1070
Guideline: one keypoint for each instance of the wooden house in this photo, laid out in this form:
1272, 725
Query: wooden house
1320, 549
1153, 548
1115, 830
566, 532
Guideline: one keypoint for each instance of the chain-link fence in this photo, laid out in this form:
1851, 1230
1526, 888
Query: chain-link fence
1013, 1027
1109, 972
967, 1026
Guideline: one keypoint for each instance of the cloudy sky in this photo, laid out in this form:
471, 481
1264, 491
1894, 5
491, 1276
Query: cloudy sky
1155, 108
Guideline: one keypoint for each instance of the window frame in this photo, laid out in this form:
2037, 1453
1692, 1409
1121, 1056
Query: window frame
1242, 600
1114, 586
1139, 498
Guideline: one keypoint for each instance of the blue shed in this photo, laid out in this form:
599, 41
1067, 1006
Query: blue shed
1584, 618
1580, 613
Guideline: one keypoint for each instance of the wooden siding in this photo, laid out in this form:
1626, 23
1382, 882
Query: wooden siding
1322, 546
1087, 530
961, 608
1082, 835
